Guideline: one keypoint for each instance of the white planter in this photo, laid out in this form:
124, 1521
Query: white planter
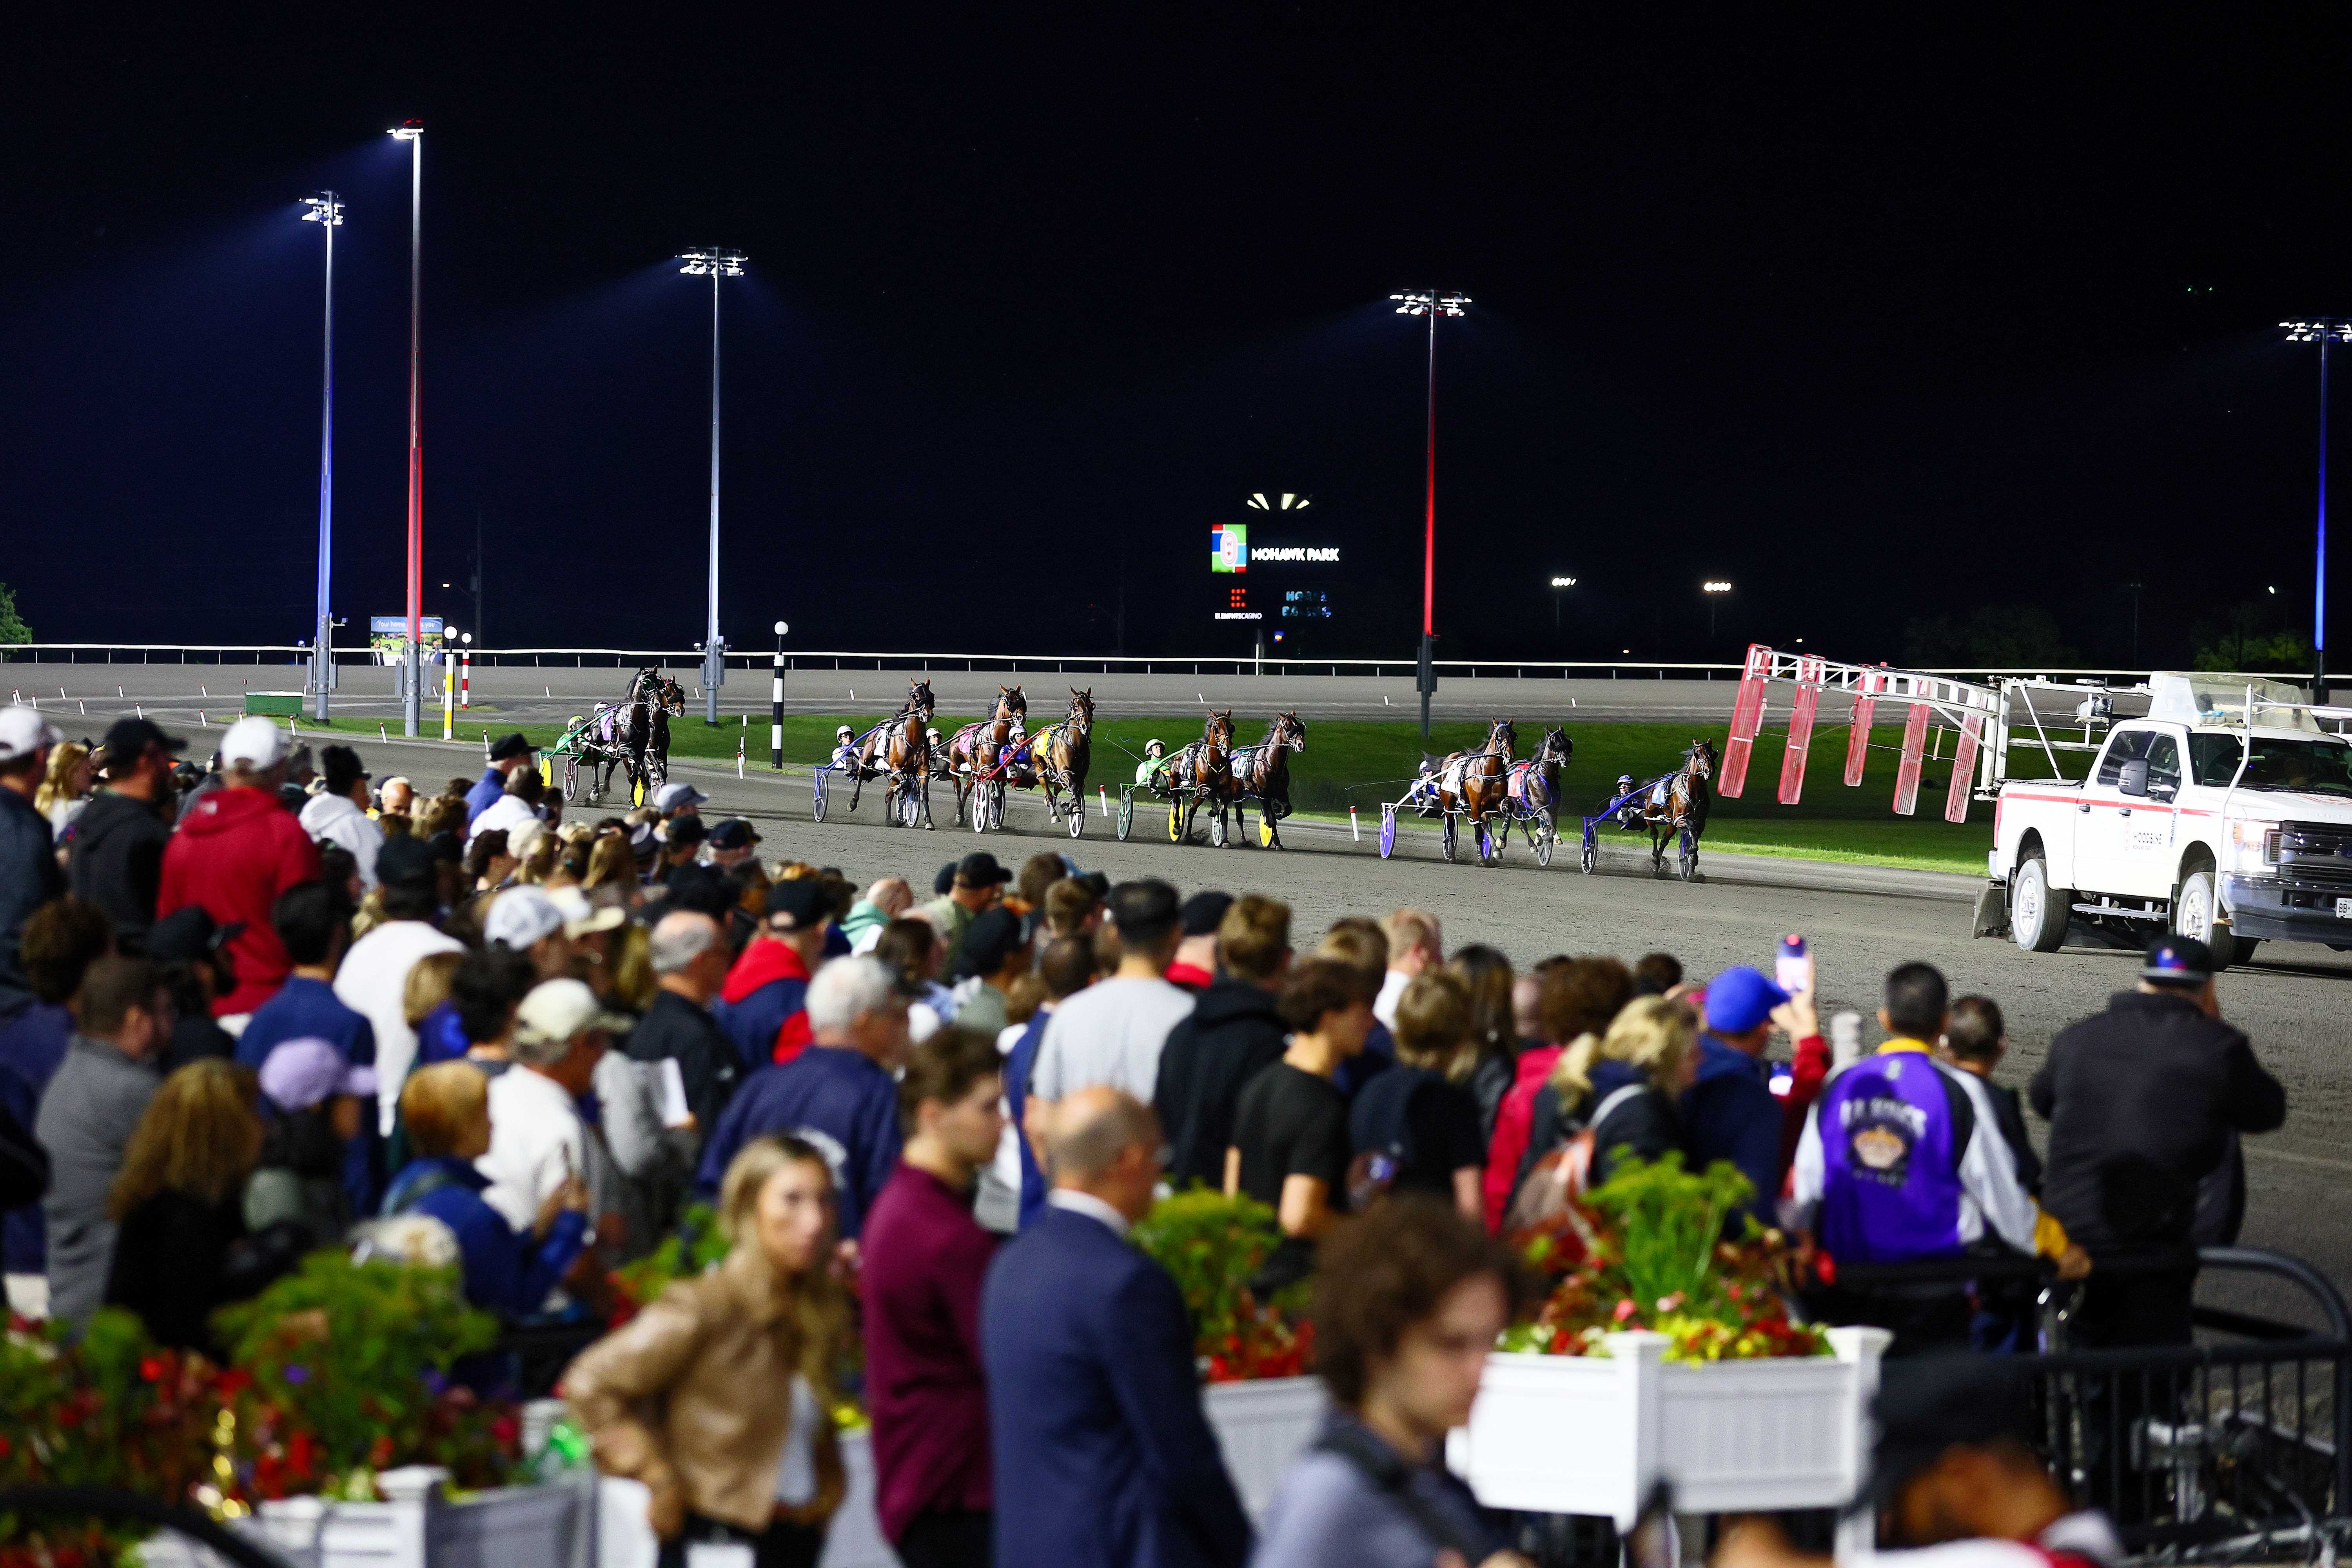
507, 1527
1590, 1435
1262, 1426
624, 1538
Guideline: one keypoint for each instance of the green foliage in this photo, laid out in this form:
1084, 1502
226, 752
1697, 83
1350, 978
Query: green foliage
1670, 1220
1211, 1245
695, 1247
13, 629
354, 1354
2247, 637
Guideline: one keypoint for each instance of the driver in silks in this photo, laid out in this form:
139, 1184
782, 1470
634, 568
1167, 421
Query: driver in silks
845, 749
1154, 763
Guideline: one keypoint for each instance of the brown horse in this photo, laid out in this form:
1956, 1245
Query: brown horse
1261, 773
1474, 785
1676, 808
1202, 772
1059, 758
975, 750
900, 746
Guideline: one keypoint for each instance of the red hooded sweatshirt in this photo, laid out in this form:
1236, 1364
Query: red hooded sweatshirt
234, 852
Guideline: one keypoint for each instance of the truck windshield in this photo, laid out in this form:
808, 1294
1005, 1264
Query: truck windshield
2312, 767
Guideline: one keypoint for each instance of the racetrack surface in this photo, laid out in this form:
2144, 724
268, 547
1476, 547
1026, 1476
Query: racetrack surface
1860, 922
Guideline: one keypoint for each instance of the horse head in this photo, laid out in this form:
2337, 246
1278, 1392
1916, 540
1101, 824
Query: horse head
1503, 738
672, 695
1556, 747
1010, 703
1701, 758
1082, 709
918, 698
1289, 730
1219, 730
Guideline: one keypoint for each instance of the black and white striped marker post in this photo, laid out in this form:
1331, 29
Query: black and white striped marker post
776, 705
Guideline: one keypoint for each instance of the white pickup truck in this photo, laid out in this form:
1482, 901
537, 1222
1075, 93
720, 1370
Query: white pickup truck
2225, 820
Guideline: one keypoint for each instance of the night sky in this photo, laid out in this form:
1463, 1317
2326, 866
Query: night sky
1883, 321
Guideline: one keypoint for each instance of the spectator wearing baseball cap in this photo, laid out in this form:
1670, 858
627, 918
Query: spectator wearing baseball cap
679, 798
681, 845
1729, 1111
538, 1142
338, 812
319, 1104
2145, 1102
976, 884
1195, 965
374, 976
518, 804
995, 953
528, 920
29, 876
237, 849
118, 843
764, 1004
509, 756
732, 842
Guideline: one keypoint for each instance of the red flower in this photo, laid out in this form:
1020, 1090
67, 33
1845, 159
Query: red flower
151, 1368
506, 1428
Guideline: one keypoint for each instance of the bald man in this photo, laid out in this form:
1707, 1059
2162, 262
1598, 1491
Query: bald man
1107, 1448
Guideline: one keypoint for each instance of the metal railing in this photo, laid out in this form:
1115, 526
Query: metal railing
919, 662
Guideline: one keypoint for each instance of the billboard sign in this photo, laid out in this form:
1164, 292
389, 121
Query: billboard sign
1229, 547
397, 626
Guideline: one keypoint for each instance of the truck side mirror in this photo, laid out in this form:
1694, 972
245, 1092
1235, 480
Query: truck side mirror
2133, 778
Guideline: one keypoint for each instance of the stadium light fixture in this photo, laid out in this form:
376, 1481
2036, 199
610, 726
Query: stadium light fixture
412, 704
714, 264
1431, 303
1715, 588
326, 210
2323, 330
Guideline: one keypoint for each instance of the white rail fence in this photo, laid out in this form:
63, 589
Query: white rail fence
291, 654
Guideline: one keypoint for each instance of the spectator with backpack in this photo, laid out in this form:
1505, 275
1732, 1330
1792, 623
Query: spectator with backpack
1609, 1100
1415, 1128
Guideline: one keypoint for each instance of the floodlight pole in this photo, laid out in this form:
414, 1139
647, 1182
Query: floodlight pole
716, 264
326, 212
2322, 329
1431, 304
412, 705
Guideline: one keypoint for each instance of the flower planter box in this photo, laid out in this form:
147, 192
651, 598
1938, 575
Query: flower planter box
1262, 1426
507, 1527
624, 1538
1591, 1436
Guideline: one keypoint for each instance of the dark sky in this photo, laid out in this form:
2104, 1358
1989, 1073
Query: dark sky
1882, 318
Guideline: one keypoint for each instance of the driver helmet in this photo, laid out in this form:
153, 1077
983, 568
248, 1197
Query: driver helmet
1153, 747
843, 733
935, 733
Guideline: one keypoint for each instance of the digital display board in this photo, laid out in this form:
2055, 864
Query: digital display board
1229, 547
1306, 605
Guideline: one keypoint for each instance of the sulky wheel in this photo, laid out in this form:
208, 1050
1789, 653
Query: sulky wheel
1175, 822
1126, 814
1077, 816
1388, 831
1545, 840
1217, 830
1448, 837
1588, 855
1687, 859
817, 800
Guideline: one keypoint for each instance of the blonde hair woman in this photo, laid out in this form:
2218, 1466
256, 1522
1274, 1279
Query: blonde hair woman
1623, 1088
178, 1204
718, 1395
65, 788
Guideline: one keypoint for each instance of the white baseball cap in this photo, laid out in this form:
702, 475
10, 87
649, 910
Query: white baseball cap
672, 797
522, 916
255, 742
23, 732
582, 917
559, 1009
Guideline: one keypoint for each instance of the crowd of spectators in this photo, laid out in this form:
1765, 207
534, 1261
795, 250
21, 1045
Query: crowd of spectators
275, 1006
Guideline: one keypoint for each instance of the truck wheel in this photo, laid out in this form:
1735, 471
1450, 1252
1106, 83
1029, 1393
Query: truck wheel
2037, 912
2196, 910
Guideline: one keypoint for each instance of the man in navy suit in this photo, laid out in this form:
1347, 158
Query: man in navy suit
1103, 1457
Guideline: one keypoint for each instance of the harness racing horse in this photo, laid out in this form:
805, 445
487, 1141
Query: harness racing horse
1474, 785
900, 746
1532, 797
1059, 758
644, 730
1261, 773
1202, 771
1676, 808
975, 750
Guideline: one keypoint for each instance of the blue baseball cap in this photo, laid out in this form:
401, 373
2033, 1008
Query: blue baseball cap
2177, 960
1741, 998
